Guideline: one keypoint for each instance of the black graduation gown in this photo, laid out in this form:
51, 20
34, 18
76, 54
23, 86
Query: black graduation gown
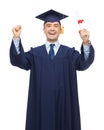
53, 97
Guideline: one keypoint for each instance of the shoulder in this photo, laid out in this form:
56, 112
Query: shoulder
38, 48
68, 49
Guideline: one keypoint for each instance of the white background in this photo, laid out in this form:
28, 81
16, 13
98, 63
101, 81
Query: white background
14, 81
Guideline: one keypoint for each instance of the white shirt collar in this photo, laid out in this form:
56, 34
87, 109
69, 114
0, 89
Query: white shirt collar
56, 47
57, 44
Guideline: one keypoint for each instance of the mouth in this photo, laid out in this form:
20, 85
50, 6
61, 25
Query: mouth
52, 33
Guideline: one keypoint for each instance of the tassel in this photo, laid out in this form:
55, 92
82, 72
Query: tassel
62, 30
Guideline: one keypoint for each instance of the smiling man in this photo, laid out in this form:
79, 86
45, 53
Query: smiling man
53, 96
52, 31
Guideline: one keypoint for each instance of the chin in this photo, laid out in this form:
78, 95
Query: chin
52, 40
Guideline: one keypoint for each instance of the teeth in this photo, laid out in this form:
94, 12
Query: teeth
52, 33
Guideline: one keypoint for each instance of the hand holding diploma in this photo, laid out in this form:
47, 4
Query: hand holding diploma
84, 33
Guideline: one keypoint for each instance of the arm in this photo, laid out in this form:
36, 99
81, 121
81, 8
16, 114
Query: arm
86, 58
17, 55
16, 44
79, 61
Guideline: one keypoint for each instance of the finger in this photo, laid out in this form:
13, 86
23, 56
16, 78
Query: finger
82, 30
17, 28
84, 37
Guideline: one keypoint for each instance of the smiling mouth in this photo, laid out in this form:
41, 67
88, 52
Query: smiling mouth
52, 34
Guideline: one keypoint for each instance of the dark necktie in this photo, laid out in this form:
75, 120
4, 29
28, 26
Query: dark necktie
51, 52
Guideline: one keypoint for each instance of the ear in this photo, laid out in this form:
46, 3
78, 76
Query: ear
62, 30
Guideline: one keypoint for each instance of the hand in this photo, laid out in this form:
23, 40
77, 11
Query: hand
16, 31
84, 34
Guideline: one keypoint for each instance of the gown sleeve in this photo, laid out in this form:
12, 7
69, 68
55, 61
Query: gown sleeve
79, 58
23, 59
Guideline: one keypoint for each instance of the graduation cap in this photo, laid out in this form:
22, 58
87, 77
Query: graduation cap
51, 16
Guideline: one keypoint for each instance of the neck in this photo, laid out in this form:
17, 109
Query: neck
52, 42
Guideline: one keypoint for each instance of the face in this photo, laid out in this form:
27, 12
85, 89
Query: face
52, 31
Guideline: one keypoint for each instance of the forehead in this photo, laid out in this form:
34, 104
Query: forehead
52, 23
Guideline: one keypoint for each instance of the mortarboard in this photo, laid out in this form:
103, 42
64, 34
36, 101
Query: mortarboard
51, 16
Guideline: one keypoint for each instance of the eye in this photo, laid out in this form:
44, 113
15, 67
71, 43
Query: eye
48, 25
55, 25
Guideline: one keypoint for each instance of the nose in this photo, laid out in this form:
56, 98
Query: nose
52, 27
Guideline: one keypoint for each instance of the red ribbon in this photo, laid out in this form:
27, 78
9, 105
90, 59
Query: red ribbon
80, 21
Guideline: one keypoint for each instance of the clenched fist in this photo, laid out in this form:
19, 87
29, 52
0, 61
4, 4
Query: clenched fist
17, 31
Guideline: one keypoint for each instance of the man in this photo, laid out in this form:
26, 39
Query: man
53, 97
